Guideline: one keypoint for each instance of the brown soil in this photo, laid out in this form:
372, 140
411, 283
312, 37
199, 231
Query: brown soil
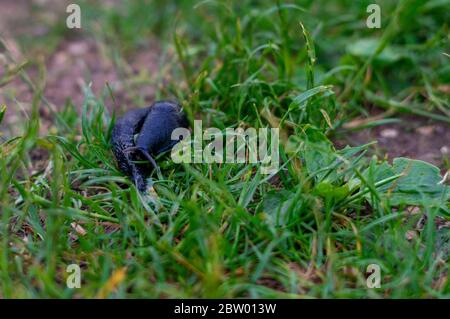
413, 137
77, 61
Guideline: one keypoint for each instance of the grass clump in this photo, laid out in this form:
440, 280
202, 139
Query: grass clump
209, 230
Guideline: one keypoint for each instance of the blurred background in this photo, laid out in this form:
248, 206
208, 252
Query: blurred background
136, 51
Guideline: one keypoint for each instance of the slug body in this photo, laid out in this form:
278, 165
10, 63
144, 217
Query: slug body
123, 138
156, 132
153, 126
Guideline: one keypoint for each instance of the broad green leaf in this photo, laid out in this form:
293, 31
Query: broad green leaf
364, 48
276, 205
327, 190
318, 152
420, 185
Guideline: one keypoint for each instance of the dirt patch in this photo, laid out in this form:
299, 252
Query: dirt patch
12, 13
76, 62
413, 137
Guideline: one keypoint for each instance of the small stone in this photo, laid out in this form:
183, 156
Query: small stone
80, 230
414, 210
389, 133
78, 48
426, 130
410, 235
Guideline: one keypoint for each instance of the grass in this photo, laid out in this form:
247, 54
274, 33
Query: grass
223, 231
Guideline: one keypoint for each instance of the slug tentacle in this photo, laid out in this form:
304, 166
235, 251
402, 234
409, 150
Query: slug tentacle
143, 152
153, 126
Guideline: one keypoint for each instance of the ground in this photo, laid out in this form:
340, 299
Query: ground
227, 231
413, 137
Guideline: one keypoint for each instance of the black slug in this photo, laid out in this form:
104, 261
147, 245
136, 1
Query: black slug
153, 126
123, 138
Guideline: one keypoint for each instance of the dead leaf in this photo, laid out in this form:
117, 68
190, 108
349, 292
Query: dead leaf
116, 278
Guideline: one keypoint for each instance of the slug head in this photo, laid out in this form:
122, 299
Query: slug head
156, 133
